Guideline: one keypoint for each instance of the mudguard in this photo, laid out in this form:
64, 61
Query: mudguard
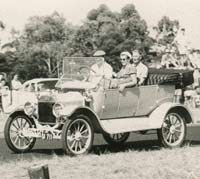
119, 125
152, 121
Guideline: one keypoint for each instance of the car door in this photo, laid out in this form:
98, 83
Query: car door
110, 107
120, 104
128, 102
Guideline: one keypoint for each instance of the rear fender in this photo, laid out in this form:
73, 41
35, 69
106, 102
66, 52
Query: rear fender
158, 115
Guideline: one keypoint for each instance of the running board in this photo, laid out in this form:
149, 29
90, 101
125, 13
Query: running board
132, 124
121, 125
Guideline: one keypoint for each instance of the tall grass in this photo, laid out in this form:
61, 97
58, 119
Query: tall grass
178, 163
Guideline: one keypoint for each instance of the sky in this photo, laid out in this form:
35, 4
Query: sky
14, 13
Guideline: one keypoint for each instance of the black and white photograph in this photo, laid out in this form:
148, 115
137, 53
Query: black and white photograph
101, 89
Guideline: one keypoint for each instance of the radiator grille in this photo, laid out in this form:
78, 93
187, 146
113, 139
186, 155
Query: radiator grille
46, 113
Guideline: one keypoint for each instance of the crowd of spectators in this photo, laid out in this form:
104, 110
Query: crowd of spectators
173, 59
179, 55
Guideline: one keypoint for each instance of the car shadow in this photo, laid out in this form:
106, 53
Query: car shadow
144, 145
192, 143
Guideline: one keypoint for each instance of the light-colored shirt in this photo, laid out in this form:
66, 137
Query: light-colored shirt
141, 71
103, 70
16, 85
126, 71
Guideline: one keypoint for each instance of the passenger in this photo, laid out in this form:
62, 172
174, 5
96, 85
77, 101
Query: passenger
15, 83
141, 69
101, 68
126, 77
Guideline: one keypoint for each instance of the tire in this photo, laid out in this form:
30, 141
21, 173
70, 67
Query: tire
14, 137
116, 139
173, 131
77, 135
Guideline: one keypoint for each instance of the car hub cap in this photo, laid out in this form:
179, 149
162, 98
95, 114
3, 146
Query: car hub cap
173, 129
79, 136
16, 133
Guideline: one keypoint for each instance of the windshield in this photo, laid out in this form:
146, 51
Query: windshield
46, 85
81, 68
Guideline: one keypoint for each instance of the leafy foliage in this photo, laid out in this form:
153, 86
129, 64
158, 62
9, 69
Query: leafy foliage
167, 28
47, 39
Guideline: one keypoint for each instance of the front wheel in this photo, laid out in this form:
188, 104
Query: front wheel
116, 139
173, 131
13, 133
77, 135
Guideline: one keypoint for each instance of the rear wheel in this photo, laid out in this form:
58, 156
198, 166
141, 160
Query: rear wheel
173, 131
77, 135
116, 139
13, 133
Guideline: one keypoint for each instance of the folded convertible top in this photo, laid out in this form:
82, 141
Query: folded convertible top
179, 78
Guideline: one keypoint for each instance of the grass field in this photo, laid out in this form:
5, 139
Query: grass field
178, 163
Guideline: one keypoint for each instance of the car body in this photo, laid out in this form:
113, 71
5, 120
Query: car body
28, 92
82, 105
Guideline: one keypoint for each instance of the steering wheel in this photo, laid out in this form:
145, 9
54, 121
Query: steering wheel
85, 72
87, 68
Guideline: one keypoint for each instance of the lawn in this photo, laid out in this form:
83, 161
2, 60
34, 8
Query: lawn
157, 164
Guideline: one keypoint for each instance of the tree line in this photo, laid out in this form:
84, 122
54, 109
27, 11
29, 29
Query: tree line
46, 40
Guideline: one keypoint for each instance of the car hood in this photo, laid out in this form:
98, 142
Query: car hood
71, 96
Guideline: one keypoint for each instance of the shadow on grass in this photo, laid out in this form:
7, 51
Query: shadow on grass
145, 145
193, 143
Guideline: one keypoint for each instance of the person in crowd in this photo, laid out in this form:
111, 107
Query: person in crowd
165, 59
101, 68
194, 58
181, 42
1, 78
15, 83
126, 77
141, 69
169, 59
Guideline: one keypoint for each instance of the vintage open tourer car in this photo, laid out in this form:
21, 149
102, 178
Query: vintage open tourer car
83, 104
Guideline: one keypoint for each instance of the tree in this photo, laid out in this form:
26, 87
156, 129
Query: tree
44, 37
167, 30
47, 39
112, 32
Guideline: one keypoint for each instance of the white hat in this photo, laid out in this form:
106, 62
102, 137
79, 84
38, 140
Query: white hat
126, 53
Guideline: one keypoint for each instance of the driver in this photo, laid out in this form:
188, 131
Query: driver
101, 68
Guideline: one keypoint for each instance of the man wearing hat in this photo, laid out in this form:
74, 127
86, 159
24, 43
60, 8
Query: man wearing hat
102, 68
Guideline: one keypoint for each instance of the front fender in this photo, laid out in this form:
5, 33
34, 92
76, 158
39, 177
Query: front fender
158, 115
92, 116
12, 109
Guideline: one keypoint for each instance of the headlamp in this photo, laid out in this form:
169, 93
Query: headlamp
29, 108
57, 108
